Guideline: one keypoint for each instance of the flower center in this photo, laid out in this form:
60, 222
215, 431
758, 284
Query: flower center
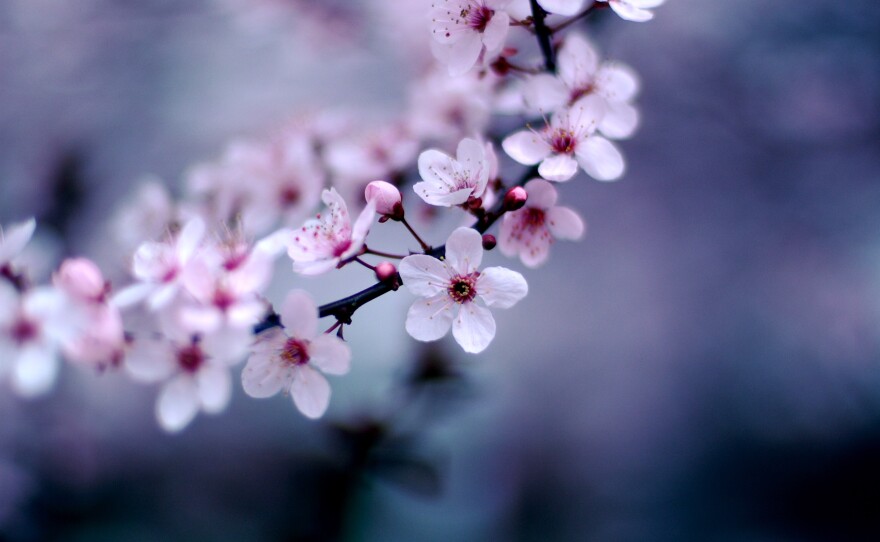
223, 299
340, 248
580, 92
563, 141
477, 17
295, 352
190, 358
289, 196
24, 330
463, 288
533, 218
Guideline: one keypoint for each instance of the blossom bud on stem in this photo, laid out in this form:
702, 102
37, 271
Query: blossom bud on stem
515, 198
489, 241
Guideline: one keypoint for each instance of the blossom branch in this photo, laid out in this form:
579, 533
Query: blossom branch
565, 24
544, 34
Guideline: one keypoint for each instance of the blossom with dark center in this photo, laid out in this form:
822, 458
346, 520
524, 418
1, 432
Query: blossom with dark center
465, 29
450, 289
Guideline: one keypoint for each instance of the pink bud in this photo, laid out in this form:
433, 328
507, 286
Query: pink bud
81, 278
387, 198
515, 198
386, 271
489, 241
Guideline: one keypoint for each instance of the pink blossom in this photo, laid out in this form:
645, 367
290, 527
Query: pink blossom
465, 29
322, 242
633, 10
451, 288
292, 359
529, 232
445, 109
386, 197
448, 181
580, 73
567, 141
81, 279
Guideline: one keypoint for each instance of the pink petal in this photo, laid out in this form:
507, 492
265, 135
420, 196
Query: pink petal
424, 275
310, 392
189, 239
535, 252
441, 197
620, 121
501, 287
496, 31
464, 53
15, 238
435, 168
178, 403
542, 195
558, 167
526, 147
564, 223
361, 228
464, 250
617, 82
577, 61
586, 113
131, 295
600, 159
429, 319
473, 328
299, 315
330, 354
545, 93
150, 360
263, 375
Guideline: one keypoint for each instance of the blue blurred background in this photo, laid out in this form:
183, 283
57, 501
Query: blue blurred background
705, 365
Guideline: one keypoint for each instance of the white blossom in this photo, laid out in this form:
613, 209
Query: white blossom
448, 181
462, 30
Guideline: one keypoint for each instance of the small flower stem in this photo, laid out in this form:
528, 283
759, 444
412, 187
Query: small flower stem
368, 250
332, 328
565, 24
425, 246
365, 264
543, 33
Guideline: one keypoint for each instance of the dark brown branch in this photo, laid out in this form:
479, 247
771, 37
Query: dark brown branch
544, 35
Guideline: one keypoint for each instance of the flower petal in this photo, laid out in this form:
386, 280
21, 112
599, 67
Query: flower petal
264, 375
544, 93
617, 82
542, 195
299, 315
630, 12
473, 328
178, 403
330, 354
15, 238
558, 167
562, 7
429, 319
310, 392
424, 275
564, 223
463, 54
464, 250
620, 121
496, 31
500, 287
214, 388
35, 370
189, 239
577, 61
600, 159
150, 360
526, 147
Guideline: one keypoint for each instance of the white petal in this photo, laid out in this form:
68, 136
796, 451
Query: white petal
178, 403
441, 197
429, 319
228, 345
558, 167
163, 296
542, 195
133, 294
535, 252
586, 113
471, 154
150, 360
562, 7
189, 239
630, 12
545, 93
310, 392
330, 354
464, 250
424, 275
15, 238
617, 82
263, 375
35, 370
299, 315
316, 267
501, 287
435, 168
564, 223
526, 147
214, 388
362, 227
473, 328
496, 31
600, 158
464, 53
620, 121
577, 61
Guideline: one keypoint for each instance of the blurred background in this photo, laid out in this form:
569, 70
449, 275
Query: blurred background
705, 365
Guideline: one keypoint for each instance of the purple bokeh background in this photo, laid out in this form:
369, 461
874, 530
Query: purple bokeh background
705, 365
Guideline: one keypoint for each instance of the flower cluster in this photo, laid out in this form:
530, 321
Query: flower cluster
194, 305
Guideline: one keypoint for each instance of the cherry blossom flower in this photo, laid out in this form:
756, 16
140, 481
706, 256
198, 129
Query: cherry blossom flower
632, 10
32, 327
451, 181
463, 29
450, 289
567, 141
194, 368
159, 267
292, 359
330, 238
386, 196
529, 232
580, 74
446, 109
148, 214
378, 153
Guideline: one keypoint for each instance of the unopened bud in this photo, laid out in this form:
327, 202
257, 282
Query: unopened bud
387, 198
489, 241
80, 278
515, 198
386, 271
